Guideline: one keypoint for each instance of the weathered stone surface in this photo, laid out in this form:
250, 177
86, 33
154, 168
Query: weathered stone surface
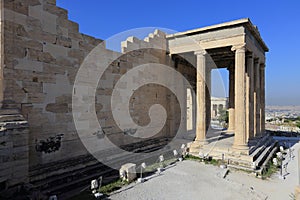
63, 41
14, 145
46, 58
42, 53
76, 53
51, 2
18, 6
129, 172
42, 36
53, 9
72, 26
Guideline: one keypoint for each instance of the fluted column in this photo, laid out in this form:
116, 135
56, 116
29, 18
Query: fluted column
208, 95
262, 99
257, 131
240, 138
231, 120
249, 97
201, 57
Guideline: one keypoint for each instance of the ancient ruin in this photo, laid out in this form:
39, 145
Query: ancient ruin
41, 52
217, 105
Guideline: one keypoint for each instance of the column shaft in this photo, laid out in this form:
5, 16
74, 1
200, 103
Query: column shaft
231, 120
257, 100
240, 138
249, 99
208, 96
201, 97
262, 99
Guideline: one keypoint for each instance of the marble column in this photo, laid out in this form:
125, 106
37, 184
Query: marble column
201, 57
262, 99
231, 120
249, 97
240, 138
257, 132
208, 95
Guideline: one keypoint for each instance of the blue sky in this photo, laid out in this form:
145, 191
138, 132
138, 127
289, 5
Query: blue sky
278, 22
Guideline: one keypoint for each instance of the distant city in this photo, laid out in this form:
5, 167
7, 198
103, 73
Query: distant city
283, 118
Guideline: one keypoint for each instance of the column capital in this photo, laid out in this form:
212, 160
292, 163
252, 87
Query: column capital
239, 48
262, 66
200, 52
256, 60
249, 54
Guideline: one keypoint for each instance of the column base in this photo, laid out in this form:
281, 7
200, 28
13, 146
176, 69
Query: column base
230, 130
259, 135
200, 141
241, 148
196, 146
263, 133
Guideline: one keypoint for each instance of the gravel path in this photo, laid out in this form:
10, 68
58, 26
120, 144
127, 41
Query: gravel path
194, 180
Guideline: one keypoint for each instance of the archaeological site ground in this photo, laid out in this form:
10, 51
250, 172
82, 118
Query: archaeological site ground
73, 110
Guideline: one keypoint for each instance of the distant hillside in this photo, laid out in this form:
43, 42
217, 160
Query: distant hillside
294, 108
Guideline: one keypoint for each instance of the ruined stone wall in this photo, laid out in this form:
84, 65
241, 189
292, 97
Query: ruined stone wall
42, 53
136, 52
14, 149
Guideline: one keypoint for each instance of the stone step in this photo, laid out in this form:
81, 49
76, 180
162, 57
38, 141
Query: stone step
73, 190
52, 179
259, 149
81, 177
263, 156
53, 168
11, 118
9, 111
260, 154
84, 180
239, 167
97, 168
256, 144
274, 150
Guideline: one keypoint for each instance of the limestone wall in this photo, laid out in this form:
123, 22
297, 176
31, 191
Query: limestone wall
14, 149
135, 53
42, 53
156, 40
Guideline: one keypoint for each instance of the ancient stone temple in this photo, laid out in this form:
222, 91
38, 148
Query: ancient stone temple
237, 46
217, 105
41, 53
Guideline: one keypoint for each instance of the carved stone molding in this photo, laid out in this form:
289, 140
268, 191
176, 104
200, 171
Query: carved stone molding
239, 48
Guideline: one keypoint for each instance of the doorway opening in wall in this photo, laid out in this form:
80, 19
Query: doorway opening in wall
219, 98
